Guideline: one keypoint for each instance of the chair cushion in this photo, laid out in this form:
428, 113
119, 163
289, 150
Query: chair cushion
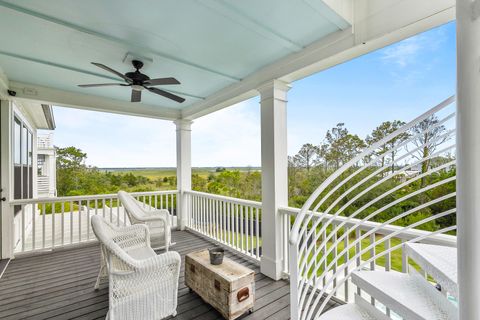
141, 253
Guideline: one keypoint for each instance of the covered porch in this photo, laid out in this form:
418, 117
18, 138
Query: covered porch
219, 63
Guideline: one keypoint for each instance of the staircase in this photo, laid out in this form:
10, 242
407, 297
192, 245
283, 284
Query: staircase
409, 296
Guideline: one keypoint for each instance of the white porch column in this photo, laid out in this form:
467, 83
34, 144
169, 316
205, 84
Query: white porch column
184, 168
468, 156
273, 104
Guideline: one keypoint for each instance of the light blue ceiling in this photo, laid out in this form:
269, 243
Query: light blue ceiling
206, 44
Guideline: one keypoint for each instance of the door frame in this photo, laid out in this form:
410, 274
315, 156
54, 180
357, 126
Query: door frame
6, 214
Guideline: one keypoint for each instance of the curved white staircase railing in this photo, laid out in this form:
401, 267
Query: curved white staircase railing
405, 179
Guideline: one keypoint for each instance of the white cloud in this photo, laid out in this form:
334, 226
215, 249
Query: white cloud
403, 53
407, 52
229, 137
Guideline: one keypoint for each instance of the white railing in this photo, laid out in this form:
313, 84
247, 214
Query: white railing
47, 223
231, 222
348, 224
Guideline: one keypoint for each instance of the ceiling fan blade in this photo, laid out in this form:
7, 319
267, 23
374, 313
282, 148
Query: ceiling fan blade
136, 96
104, 67
166, 94
101, 85
161, 81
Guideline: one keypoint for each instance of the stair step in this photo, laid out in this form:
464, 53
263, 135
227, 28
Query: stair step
438, 261
408, 295
360, 310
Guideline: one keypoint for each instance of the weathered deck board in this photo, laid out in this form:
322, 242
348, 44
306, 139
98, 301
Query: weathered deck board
59, 285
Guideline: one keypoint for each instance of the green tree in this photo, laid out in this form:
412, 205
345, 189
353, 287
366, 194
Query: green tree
342, 145
382, 131
70, 169
429, 136
306, 156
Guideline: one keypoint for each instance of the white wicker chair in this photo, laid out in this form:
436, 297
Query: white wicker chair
158, 221
142, 284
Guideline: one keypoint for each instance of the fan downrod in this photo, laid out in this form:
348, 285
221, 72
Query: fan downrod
137, 64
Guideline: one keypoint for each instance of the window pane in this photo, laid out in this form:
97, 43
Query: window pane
24, 145
16, 142
30, 151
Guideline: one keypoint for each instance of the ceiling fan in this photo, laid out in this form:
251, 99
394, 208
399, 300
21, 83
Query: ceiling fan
138, 81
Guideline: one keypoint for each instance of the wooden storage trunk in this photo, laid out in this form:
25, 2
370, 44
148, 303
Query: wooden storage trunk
229, 287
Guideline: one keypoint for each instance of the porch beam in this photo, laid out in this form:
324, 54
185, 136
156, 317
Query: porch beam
31, 92
468, 152
273, 105
184, 169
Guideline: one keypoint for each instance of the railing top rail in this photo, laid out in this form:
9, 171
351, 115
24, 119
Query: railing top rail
87, 197
440, 239
224, 198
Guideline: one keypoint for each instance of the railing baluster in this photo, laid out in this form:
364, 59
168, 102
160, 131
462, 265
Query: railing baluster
202, 214
103, 208
88, 219
257, 233
241, 228
404, 259
224, 221
71, 222
372, 251
285, 218
229, 222
118, 212
358, 248
23, 227
80, 221
63, 222
111, 210
217, 219
315, 262
34, 226
210, 217
252, 232
347, 262
44, 213
53, 224
237, 227
388, 262
334, 240
247, 231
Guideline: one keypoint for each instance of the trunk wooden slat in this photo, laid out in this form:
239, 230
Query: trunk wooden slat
229, 287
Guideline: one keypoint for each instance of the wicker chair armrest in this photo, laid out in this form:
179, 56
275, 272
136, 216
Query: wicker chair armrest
156, 216
170, 260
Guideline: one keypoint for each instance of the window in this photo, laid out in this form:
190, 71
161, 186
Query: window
22, 161
16, 142
41, 169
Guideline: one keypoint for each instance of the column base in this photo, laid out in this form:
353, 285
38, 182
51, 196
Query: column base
271, 268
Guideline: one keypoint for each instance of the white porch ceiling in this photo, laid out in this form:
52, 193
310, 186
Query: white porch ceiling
46, 46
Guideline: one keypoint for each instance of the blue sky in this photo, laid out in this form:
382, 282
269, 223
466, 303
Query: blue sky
397, 82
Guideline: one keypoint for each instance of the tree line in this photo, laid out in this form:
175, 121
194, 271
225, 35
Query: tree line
307, 169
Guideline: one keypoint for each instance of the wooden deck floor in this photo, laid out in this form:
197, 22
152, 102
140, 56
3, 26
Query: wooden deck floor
59, 285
